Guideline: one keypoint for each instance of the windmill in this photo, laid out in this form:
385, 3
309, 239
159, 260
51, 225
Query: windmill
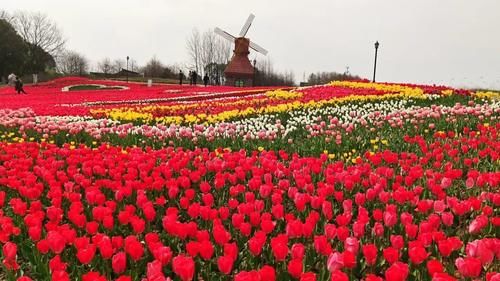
239, 71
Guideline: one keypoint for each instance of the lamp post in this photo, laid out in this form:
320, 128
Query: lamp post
127, 67
375, 66
254, 71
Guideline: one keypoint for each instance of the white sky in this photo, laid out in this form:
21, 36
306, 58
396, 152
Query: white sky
453, 42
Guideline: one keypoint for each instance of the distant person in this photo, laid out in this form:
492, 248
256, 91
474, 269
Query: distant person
181, 77
19, 86
206, 79
217, 80
11, 79
195, 77
190, 76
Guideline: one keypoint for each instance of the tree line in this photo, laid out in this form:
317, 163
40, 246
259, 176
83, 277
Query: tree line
29, 43
321, 78
32, 43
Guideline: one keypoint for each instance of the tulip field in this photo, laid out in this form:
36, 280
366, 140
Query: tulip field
344, 181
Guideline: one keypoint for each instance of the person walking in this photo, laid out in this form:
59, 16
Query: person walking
19, 86
181, 77
195, 77
206, 79
190, 77
11, 79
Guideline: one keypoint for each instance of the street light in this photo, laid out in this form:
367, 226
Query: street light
127, 68
254, 71
375, 66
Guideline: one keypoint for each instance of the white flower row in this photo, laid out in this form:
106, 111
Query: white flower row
331, 121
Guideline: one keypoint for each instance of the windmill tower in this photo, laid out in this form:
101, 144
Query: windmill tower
240, 72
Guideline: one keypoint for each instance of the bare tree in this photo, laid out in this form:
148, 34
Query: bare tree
194, 46
208, 53
154, 68
72, 63
223, 50
289, 78
6, 16
207, 49
133, 66
118, 65
40, 32
267, 76
214, 49
105, 66
326, 77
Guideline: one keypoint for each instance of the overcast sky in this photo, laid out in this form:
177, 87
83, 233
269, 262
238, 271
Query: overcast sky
454, 42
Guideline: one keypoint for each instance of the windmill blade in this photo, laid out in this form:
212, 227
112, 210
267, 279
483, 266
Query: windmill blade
258, 48
224, 34
247, 25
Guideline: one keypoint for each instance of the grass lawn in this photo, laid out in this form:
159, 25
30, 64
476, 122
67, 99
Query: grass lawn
91, 87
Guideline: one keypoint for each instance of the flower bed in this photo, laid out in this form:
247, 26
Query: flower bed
346, 181
50, 99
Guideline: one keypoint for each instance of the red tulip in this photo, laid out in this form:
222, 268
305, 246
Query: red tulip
225, 264
162, 254
247, 276
105, 247
134, 248
478, 224
483, 249
308, 276
184, 267
295, 268
469, 267
267, 272
339, 275
279, 247
43, 246
221, 236
330, 231
9, 250
60, 275
442, 277
390, 218
56, 264
417, 254
434, 266
255, 245
206, 250
493, 276
391, 255
56, 242
85, 255
397, 241
378, 229
322, 246
119, 262
93, 276
154, 271
349, 259
372, 277
124, 278
92, 227
298, 251
398, 271
370, 252
231, 250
